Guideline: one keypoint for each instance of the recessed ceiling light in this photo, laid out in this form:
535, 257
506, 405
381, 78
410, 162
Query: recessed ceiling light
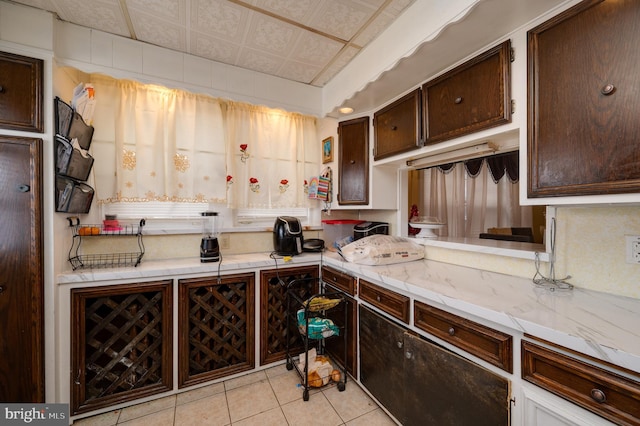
346, 110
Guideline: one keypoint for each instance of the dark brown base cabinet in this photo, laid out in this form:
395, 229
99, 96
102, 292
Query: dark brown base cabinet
273, 312
335, 347
421, 383
216, 327
121, 343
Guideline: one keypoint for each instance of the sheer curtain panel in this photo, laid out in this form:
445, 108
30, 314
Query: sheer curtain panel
157, 144
270, 155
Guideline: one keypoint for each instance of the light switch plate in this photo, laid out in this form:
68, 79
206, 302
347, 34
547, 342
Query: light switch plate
632, 243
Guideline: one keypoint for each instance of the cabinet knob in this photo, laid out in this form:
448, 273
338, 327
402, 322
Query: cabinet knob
378, 298
598, 395
1, 289
458, 100
1, 89
394, 127
608, 89
400, 344
407, 355
352, 162
24, 188
452, 331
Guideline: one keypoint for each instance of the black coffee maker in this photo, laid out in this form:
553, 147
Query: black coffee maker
209, 247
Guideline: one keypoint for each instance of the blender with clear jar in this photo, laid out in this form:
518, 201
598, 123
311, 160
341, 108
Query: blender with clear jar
209, 247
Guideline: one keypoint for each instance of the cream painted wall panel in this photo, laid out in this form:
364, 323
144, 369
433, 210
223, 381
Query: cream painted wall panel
162, 63
95, 51
591, 248
101, 49
219, 76
197, 71
26, 26
241, 81
127, 55
72, 42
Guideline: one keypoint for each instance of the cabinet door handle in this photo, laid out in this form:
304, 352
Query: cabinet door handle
608, 89
598, 395
458, 100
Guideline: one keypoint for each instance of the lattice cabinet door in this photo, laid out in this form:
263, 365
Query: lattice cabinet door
273, 312
216, 327
121, 343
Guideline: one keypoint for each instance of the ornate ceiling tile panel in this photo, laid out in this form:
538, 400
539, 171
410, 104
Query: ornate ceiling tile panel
303, 40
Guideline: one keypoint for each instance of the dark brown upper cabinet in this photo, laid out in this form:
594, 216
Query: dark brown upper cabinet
397, 126
353, 179
584, 101
471, 97
21, 93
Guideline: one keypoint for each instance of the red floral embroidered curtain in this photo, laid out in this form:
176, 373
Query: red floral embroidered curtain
270, 155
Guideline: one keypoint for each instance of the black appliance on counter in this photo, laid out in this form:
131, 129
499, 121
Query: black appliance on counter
287, 236
365, 229
209, 247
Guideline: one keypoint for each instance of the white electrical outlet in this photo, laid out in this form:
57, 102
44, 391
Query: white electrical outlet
224, 241
633, 248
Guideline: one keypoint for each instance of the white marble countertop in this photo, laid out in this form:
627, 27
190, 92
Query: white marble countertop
601, 325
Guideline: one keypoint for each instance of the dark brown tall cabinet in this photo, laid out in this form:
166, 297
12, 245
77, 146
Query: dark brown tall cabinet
584, 125
273, 312
21, 244
353, 146
21, 271
216, 323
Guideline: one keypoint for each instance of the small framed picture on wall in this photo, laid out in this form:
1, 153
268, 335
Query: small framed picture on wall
327, 150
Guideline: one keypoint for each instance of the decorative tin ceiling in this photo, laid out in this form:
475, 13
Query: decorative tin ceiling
308, 41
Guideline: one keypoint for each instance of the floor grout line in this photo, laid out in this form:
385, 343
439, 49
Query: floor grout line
280, 405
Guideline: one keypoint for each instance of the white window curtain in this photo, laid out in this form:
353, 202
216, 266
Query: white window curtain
270, 156
471, 205
157, 144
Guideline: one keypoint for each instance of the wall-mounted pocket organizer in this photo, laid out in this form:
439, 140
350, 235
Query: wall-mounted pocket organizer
81, 131
63, 115
70, 161
72, 196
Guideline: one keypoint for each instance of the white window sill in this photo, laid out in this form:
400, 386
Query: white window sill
495, 247
196, 228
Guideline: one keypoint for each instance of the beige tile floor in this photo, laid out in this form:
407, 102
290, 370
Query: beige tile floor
265, 398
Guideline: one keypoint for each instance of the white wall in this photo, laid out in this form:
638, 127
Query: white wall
95, 51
